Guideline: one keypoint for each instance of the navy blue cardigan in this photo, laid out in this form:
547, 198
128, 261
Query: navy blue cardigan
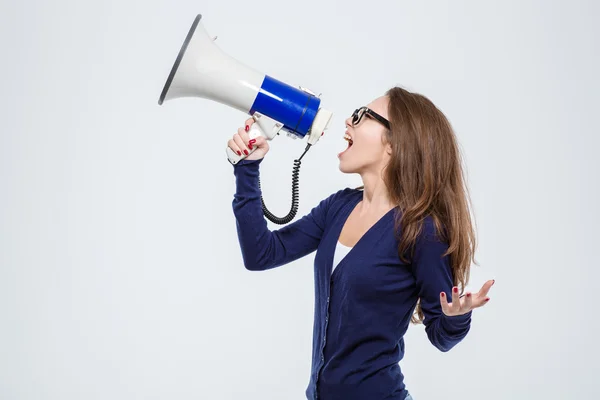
363, 309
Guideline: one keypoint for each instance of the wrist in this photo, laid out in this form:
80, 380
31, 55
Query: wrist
457, 323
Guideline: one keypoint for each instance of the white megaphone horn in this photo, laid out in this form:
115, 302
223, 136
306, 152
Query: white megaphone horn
203, 70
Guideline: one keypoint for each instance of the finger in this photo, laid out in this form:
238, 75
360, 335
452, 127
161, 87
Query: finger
455, 300
248, 123
259, 141
482, 301
479, 301
444, 303
245, 136
249, 142
237, 138
467, 302
233, 146
483, 292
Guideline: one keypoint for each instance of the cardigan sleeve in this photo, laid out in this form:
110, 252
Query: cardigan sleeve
434, 275
261, 248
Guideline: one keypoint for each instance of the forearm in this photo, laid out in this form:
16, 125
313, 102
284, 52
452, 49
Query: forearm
253, 234
445, 332
433, 274
261, 248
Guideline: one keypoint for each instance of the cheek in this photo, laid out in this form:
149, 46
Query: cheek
372, 147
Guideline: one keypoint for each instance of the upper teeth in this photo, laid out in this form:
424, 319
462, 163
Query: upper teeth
347, 137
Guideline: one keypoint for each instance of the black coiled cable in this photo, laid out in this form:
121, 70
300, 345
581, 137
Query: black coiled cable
294, 208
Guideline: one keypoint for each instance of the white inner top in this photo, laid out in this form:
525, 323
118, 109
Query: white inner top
340, 253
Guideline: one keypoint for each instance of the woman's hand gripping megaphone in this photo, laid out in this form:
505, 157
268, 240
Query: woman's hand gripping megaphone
248, 143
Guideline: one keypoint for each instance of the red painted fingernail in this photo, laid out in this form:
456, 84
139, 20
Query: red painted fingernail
239, 153
487, 299
443, 294
252, 141
455, 290
468, 294
250, 146
247, 128
246, 152
493, 281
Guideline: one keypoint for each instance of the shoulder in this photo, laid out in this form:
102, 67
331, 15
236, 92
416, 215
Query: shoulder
430, 248
431, 235
344, 194
333, 203
430, 230
341, 197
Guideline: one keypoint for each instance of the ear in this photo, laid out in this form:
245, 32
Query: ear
386, 144
388, 149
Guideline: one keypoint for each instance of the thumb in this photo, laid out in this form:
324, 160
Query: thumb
260, 142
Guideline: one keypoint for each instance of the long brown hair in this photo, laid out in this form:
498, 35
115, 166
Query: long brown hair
425, 178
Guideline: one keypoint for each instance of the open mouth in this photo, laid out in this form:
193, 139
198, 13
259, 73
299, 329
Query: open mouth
348, 139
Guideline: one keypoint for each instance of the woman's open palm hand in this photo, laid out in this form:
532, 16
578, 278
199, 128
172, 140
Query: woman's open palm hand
463, 304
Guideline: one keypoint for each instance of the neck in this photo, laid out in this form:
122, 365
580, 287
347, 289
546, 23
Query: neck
375, 194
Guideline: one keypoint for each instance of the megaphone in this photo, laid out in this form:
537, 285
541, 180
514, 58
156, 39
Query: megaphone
203, 70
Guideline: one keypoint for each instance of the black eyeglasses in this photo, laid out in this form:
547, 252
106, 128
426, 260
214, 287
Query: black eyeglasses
360, 112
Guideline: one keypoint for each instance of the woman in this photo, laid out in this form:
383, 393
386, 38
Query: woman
399, 247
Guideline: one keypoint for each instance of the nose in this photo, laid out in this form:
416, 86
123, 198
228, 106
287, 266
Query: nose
348, 122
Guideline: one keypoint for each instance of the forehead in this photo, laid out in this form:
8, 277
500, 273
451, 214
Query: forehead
380, 106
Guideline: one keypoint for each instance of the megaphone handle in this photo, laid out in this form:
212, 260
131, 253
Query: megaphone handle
254, 132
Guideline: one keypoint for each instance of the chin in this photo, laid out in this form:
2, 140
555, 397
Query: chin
346, 168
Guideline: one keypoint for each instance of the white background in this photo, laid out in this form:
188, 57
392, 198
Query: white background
120, 272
